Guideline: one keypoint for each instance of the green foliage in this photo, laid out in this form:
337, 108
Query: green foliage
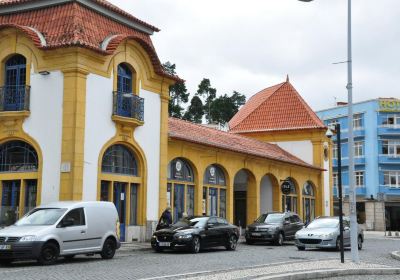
178, 93
224, 107
195, 111
209, 94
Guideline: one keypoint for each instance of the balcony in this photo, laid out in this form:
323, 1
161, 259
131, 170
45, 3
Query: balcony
128, 108
389, 129
345, 161
389, 159
14, 98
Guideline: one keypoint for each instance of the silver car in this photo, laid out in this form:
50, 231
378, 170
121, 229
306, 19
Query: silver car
323, 232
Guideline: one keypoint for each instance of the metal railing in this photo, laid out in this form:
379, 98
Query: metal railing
128, 105
14, 98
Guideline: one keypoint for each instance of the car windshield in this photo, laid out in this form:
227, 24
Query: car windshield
191, 222
324, 223
41, 217
270, 218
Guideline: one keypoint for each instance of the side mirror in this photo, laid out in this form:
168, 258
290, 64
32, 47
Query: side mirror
67, 222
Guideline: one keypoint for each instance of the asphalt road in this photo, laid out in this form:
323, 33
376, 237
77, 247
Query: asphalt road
147, 264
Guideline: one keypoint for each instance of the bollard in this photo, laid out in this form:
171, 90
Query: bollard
390, 233
396, 234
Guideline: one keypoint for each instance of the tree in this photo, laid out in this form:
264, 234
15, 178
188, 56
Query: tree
224, 107
208, 93
195, 111
177, 92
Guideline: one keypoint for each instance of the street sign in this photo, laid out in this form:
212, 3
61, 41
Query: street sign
286, 187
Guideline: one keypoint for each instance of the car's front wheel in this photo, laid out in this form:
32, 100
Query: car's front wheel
359, 243
196, 246
231, 243
49, 254
279, 239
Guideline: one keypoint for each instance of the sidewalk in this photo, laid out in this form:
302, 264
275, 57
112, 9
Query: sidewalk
134, 246
380, 234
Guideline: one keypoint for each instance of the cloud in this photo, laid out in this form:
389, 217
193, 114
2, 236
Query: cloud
250, 45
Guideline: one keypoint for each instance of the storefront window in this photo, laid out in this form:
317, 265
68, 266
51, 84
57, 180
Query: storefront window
215, 191
289, 201
308, 202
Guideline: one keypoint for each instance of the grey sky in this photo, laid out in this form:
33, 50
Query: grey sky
250, 45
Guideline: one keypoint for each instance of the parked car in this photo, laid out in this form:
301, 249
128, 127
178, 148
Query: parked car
323, 232
196, 233
274, 227
62, 229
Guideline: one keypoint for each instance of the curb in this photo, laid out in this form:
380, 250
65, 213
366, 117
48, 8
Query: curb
395, 255
332, 273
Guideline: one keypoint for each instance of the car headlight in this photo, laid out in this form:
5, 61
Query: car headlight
184, 236
28, 238
327, 235
272, 229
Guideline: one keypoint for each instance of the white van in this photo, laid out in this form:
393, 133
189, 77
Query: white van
62, 229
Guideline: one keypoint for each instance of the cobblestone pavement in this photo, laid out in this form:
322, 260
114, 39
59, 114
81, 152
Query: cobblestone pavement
147, 264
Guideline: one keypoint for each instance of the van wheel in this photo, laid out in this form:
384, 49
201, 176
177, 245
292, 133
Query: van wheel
49, 254
109, 248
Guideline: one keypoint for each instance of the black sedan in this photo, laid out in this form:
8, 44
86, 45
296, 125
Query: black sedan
196, 233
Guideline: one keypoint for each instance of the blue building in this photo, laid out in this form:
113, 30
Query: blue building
376, 125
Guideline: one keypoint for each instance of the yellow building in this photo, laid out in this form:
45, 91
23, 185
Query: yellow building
84, 116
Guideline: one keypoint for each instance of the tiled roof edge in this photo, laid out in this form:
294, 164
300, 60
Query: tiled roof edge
100, 7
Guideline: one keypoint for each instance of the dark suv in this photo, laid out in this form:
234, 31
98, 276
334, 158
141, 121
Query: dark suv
274, 227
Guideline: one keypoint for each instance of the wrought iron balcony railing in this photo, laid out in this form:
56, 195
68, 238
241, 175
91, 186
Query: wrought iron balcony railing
14, 98
128, 105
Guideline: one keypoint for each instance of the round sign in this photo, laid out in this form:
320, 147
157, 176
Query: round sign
178, 166
212, 171
286, 187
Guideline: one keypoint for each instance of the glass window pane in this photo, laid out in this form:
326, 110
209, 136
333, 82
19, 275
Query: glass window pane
18, 156
104, 193
120, 160
222, 203
10, 202
134, 204
30, 195
179, 199
190, 201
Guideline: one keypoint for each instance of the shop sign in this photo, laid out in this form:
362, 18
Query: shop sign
389, 105
286, 187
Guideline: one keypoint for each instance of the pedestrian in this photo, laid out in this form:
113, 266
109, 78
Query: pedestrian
165, 219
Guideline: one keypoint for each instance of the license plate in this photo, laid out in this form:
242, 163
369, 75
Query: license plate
312, 245
164, 244
5, 247
256, 234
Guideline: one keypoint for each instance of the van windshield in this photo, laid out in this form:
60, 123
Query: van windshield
41, 217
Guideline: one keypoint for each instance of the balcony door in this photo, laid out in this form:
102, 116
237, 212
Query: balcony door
15, 79
124, 89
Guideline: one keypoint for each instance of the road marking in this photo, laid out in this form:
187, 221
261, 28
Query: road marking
227, 270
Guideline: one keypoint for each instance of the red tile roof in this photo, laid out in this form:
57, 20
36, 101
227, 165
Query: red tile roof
72, 24
279, 107
195, 133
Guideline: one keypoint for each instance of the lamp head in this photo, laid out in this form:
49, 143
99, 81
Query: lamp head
329, 133
305, 0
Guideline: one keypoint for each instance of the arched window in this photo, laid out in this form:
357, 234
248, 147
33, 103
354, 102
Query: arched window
289, 201
124, 79
308, 202
180, 188
120, 160
214, 191
15, 80
18, 156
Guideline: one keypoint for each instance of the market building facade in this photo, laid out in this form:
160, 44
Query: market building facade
84, 116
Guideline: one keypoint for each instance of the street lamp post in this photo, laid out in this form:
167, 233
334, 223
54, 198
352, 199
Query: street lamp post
352, 194
336, 129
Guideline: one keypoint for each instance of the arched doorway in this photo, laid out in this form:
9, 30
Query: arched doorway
308, 202
214, 191
268, 190
245, 198
180, 188
290, 200
120, 183
20, 164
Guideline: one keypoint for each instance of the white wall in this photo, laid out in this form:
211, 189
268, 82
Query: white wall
45, 126
266, 195
301, 149
99, 129
148, 137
